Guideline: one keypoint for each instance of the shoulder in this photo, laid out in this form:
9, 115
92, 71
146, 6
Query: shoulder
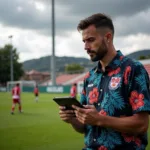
136, 68
134, 64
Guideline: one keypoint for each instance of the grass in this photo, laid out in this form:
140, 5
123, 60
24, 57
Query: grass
38, 127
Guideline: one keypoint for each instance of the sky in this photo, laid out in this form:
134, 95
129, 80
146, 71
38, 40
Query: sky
29, 22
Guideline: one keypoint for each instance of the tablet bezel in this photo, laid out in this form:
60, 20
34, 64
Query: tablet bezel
67, 102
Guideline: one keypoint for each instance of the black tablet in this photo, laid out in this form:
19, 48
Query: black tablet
67, 102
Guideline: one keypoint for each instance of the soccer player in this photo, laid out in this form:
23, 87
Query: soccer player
73, 90
16, 98
36, 93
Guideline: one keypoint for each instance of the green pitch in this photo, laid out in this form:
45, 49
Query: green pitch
38, 127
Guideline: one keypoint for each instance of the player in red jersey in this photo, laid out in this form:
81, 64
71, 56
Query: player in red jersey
16, 98
73, 90
36, 93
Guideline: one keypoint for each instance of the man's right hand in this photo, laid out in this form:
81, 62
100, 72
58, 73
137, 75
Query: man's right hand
66, 115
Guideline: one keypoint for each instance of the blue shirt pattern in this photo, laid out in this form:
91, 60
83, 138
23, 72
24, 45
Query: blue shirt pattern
122, 90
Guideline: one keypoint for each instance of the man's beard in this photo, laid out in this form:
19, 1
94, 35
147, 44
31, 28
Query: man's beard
99, 54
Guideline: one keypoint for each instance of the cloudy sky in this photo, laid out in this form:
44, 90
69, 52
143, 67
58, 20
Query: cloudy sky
29, 21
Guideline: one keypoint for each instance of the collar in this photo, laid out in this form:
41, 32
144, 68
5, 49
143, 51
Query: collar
115, 63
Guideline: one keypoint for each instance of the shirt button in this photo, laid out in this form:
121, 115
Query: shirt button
94, 140
101, 90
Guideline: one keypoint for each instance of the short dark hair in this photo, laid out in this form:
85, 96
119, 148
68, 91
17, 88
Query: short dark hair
17, 84
98, 20
75, 84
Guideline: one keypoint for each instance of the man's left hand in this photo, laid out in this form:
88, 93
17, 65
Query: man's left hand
87, 115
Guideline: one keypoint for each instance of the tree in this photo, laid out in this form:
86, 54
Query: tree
74, 68
142, 57
5, 64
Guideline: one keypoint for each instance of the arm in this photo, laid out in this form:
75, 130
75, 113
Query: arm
136, 124
78, 126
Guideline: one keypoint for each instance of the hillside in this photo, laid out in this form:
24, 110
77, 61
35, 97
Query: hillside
136, 55
43, 63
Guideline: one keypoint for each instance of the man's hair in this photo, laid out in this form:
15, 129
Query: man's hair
98, 20
75, 84
17, 84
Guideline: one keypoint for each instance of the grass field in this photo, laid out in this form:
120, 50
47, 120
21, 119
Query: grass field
38, 127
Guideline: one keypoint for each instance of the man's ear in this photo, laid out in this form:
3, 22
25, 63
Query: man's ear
108, 37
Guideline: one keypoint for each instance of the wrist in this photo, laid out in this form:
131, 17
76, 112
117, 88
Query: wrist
101, 121
72, 120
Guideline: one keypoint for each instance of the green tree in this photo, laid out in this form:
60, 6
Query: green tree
5, 64
142, 57
74, 68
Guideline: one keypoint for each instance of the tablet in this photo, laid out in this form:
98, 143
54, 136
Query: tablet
67, 102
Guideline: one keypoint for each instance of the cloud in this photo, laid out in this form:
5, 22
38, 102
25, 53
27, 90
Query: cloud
28, 15
29, 21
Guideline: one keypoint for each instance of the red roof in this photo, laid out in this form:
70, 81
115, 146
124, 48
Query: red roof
65, 77
33, 72
147, 67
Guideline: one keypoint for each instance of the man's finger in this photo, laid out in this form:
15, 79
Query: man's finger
66, 112
62, 107
82, 110
89, 106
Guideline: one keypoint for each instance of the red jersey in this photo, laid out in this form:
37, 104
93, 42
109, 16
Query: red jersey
73, 91
36, 90
16, 92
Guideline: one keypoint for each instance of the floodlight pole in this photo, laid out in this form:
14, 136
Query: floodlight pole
11, 60
52, 74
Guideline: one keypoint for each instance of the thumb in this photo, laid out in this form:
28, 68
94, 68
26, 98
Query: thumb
89, 106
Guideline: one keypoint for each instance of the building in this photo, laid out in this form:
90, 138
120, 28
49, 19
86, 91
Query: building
36, 76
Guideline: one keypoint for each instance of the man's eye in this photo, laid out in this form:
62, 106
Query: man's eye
91, 40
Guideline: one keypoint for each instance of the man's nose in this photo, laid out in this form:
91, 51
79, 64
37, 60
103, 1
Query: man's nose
86, 46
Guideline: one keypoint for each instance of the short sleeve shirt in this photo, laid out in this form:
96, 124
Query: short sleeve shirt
16, 92
121, 91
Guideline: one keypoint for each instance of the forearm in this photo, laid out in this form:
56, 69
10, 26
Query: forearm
131, 125
78, 126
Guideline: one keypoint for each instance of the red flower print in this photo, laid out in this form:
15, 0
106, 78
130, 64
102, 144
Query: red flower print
103, 112
136, 100
87, 75
93, 95
138, 142
112, 72
129, 139
126, 74
102, 148
121, 57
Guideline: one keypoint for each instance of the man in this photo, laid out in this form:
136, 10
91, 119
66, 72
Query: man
115, 95
73, 90
36, 93
16, 98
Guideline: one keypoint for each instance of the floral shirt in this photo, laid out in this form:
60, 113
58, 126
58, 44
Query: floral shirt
122, 90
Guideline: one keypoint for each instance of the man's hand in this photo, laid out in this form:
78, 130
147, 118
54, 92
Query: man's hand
88, 115
66, 115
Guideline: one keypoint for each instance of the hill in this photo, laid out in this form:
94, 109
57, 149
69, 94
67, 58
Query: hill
43, 63
137, 54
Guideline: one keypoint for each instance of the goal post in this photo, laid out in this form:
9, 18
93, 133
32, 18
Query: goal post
79, 87
11, 84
